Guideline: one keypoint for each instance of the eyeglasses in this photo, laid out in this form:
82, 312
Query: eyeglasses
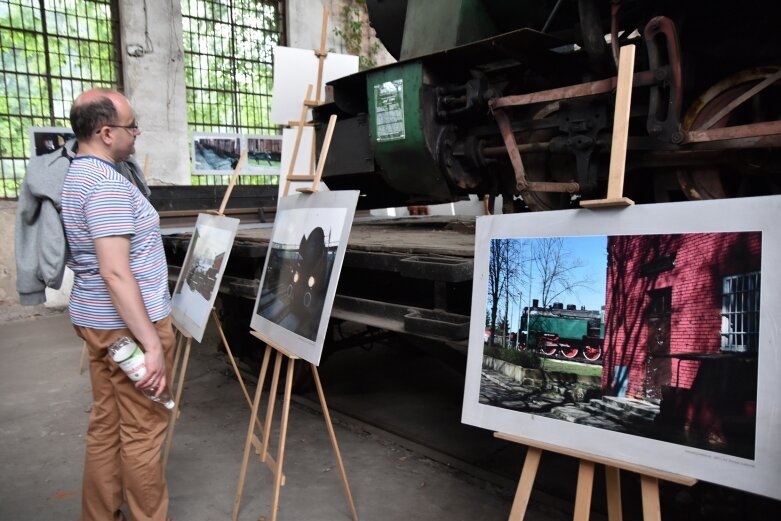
131, 128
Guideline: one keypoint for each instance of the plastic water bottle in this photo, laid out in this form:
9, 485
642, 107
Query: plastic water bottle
130, 359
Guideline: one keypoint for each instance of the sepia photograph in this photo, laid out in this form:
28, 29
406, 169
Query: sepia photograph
199, 279
302, 268
612, 336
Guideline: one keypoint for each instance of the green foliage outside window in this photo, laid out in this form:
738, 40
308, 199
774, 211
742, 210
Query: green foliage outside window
229, 69
50, 51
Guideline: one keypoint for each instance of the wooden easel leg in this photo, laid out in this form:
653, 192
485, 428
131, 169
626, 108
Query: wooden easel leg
250, 433
332, 435
649, 487
175, 412
272, 397
282, 434
584, 490
613, 486
177, 357
230, 356
524, 490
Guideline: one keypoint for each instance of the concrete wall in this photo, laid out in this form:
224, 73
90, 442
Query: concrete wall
154, 83
304, 23
7, 264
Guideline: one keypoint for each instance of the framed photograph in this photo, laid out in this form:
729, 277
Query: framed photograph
199, 279
264, 155
302, 269
48, 139
215, 154
634, 334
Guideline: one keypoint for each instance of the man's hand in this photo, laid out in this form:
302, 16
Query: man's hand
155, 371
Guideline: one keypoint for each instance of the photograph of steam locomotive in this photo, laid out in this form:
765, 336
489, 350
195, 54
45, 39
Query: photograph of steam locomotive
302, 267
675, 339
199, 279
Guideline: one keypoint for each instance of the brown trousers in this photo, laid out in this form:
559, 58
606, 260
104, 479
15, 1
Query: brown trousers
125, 434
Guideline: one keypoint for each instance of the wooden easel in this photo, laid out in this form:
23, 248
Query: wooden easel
301, 123
184, 340
649, 481
649, 478
615, 182
282, 353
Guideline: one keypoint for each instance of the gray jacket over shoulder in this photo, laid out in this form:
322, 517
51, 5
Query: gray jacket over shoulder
40, 238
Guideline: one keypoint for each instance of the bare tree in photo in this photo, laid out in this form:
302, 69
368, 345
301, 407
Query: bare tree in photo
504, 281
557, 269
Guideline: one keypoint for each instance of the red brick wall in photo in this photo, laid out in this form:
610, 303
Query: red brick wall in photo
638, 265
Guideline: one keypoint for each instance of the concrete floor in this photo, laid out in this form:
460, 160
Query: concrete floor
44, 414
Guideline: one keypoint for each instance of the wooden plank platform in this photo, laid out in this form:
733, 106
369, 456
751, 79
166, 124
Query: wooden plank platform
433, 235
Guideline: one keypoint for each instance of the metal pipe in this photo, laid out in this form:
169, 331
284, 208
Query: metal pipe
546, 186
526, 147
551, 16
640, 79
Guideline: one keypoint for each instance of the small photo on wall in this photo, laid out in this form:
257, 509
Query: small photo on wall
201, 273
215, 153
44, 140
264, 155
302, 269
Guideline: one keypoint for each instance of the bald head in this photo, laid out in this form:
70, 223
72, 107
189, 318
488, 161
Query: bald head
105, 124
93, 109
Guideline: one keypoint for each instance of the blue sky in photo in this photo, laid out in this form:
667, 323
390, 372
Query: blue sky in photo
592, 252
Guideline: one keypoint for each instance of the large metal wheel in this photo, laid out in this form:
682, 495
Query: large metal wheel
752, 172
592, 352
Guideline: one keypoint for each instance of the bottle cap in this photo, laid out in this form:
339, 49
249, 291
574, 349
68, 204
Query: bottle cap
168, 405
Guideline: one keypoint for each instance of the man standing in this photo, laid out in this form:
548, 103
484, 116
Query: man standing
120, 289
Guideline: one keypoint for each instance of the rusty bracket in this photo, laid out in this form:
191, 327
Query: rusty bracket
512, 149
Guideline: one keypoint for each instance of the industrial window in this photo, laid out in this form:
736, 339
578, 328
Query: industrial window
229, 69
740, 313
50, 50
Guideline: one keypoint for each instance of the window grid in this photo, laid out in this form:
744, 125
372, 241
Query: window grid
740, 312
229, 69
50, 50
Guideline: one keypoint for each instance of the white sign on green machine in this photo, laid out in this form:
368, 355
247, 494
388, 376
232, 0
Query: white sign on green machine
389, 107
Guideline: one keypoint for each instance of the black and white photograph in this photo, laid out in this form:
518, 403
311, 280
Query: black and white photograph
617, 335
201, 273
302, 269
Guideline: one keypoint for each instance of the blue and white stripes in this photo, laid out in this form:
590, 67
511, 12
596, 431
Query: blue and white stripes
98, 202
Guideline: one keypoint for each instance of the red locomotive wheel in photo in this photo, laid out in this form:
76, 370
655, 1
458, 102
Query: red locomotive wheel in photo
592, 353
545, 348
568, 351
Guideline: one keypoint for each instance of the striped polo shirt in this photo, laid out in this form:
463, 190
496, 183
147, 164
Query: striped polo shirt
97, 201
